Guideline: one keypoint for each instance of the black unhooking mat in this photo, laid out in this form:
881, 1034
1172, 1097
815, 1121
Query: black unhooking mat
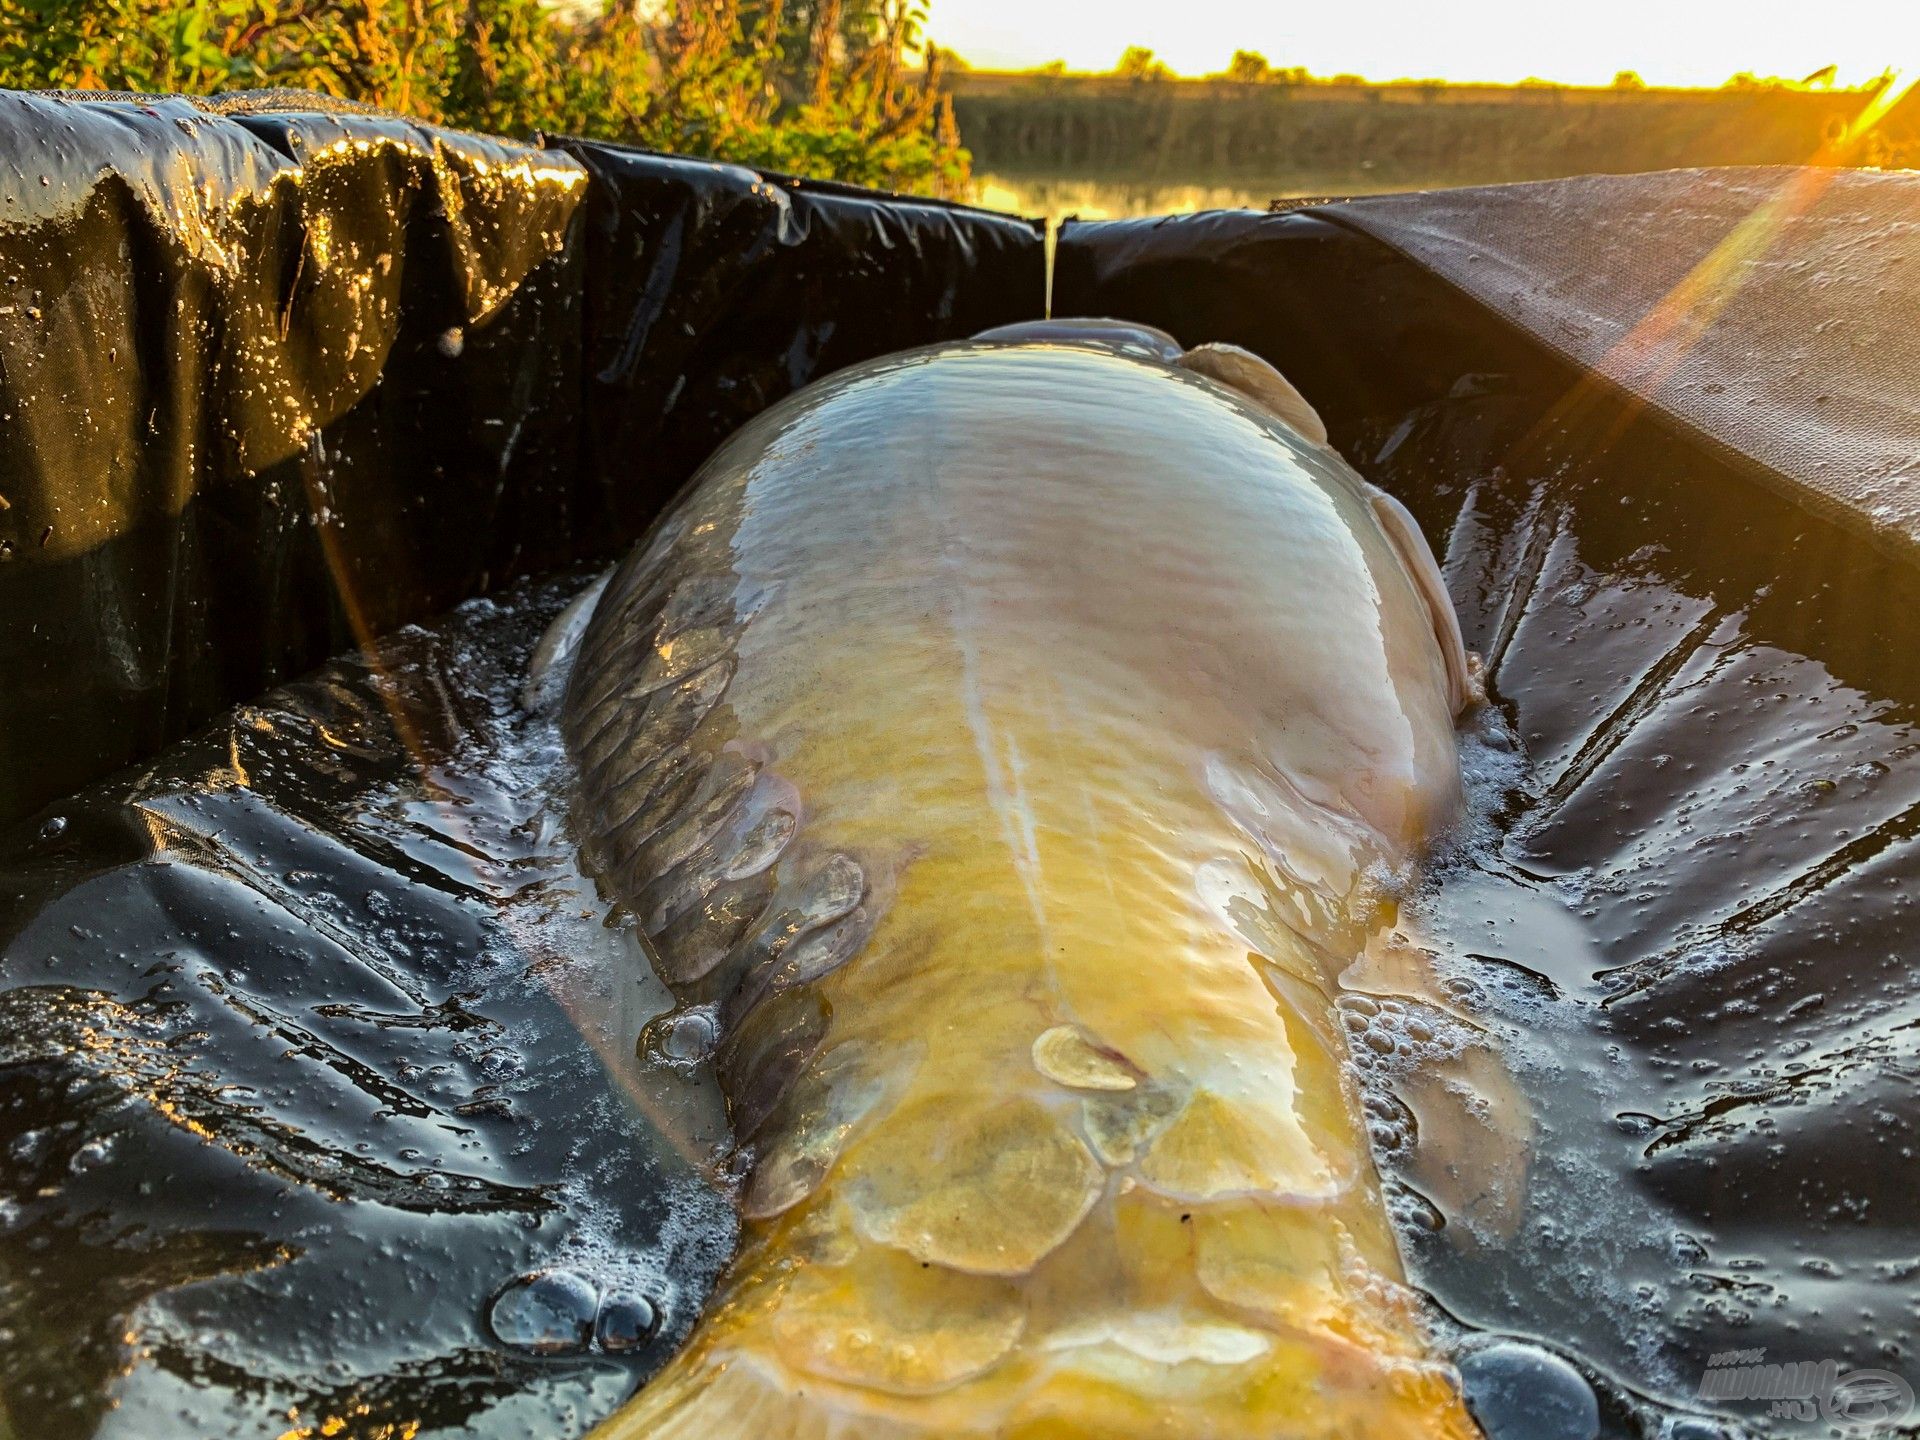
277, 377
316, 1112
1693, 923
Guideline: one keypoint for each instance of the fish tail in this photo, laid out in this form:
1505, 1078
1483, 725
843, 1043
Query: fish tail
1238, 1331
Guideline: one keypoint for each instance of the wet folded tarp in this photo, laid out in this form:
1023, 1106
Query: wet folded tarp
1765, 312
280, 374
1694, 932
715, 291
1769, 310
309, 1050
235, 359
1364, 333
1691, 933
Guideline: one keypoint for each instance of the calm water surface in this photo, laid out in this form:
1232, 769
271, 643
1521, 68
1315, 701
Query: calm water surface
1122, 196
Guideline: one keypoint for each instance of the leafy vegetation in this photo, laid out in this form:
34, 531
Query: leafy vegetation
1250, 67
822, 88
1137, 62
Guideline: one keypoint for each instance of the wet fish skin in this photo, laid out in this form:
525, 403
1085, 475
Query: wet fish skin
1066, 724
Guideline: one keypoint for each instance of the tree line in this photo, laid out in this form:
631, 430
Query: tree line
1250, 67
819, 88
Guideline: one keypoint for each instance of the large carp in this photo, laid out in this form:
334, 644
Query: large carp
1003, 748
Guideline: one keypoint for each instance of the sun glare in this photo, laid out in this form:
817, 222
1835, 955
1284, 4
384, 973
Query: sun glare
1696, 43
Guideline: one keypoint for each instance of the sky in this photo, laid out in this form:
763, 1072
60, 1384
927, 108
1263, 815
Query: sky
1581, 42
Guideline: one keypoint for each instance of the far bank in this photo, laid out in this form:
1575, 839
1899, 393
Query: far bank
1222, 137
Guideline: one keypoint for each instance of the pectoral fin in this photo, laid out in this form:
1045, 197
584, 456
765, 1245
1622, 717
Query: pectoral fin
1473, 1125
1253, 377
1464, 686
1473, 1141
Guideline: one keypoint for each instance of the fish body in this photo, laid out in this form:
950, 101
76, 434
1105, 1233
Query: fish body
1003, 748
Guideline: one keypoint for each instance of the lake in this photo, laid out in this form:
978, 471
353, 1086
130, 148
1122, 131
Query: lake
1054, 196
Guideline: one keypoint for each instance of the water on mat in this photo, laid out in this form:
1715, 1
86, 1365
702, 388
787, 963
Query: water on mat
1682, 912
319, 1112
317, 1092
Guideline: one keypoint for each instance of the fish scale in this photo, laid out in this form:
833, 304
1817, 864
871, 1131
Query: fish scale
1099, 704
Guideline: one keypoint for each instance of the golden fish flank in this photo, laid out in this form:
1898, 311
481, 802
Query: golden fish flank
1004, 744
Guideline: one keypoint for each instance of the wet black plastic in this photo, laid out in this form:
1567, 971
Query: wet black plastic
1363, 331
306, 1055
1718, 702
1697, 919
262, 377
715, 291
1767, 311
278, 379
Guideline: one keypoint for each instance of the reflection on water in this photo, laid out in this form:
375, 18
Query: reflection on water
1115, 197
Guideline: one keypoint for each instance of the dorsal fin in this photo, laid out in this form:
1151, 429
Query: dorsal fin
1253, 377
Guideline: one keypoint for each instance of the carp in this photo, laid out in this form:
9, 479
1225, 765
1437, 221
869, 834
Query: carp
1003, 748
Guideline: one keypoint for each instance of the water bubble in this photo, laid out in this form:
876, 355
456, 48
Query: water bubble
500, 1063
548, 1312
1687, 1427
1411, 1210
1521, 1392
626, 1322
680, 1037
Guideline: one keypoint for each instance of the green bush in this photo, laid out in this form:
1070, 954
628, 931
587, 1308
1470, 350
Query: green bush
820, 88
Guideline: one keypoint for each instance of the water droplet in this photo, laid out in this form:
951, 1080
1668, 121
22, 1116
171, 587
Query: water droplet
548, 1312
626, 1322
1687, 1428
681, 1037
1521, 1392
